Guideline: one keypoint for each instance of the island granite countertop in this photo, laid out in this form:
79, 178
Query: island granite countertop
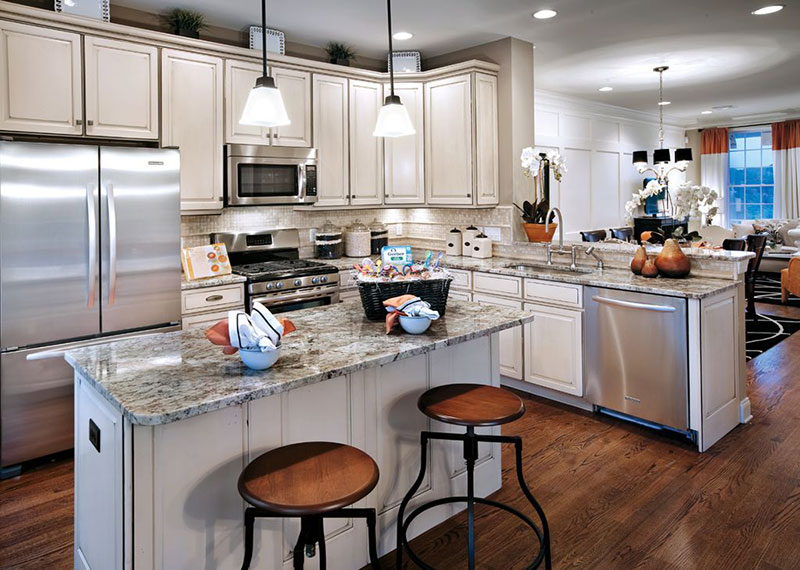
162, 378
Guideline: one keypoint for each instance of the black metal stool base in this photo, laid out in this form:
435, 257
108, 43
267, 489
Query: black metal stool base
311, 534
471, 440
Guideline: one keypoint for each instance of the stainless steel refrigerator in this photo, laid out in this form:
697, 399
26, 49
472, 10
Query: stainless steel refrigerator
89, 249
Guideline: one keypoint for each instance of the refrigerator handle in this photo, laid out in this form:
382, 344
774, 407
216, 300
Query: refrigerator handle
112, 244
91, 210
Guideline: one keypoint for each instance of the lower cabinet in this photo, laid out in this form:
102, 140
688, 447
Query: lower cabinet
511, 361
460, 295
554, 349
208, 305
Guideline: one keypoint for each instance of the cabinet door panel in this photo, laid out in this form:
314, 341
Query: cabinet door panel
192, 121
487, 181
295, 88
40, 80
510, 339
331, 140
240, 78
405, 160
553, 349
366, 150
448, 141
121, 89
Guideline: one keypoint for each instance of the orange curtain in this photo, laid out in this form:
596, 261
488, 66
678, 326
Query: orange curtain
714, 141
785, 135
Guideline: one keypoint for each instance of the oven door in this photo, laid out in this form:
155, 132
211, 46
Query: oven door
259, 181
296, 300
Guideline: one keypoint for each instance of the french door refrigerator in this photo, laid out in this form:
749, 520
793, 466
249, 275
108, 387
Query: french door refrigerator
89, 249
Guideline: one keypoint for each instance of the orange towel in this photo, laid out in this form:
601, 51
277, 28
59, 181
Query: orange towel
218, 334
393, 316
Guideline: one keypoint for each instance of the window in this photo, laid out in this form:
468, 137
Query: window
751, 190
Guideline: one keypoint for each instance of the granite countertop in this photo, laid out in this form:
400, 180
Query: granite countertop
162, 378
211, 281
612, 278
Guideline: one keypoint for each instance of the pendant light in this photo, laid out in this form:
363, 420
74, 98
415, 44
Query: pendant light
264, 106
393, 119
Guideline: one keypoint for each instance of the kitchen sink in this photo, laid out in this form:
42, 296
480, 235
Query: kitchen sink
544, 268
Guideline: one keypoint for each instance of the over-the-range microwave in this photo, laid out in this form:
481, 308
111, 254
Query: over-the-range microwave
258, 175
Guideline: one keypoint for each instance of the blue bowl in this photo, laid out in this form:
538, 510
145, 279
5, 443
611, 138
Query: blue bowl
415, 325
257, 360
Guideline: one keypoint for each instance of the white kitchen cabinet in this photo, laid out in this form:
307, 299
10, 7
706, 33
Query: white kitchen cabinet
405, 156
240, 78
448, 141
554, 349
295, 88
192, 109
487, 178
40, 80
121, 89
459, 295
331, 138
511, 360
366, 150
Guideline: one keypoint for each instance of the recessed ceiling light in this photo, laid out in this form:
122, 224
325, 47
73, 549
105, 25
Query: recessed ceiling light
545, 14
403, 36
606, 88
662, 103
706, 112
768, 10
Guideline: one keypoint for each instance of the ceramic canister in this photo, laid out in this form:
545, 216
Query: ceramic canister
466, 240
453, 240
482, 246
357, 239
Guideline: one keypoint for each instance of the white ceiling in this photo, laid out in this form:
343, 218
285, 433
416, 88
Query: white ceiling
718, 53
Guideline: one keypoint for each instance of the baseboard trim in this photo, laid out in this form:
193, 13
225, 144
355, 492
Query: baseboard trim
744, 411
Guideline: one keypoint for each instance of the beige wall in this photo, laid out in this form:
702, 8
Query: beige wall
693, 171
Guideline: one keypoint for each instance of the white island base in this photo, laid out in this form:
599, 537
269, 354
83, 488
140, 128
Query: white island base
165, 496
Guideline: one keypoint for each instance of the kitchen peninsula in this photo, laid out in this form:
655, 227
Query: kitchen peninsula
165, 424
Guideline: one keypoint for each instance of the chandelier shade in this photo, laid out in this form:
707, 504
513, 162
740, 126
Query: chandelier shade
683, 155
640, 157
661, 156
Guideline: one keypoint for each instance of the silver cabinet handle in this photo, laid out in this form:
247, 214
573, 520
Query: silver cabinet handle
78, 122
214, 298
112, 245
90, 123
91, 211
631, 305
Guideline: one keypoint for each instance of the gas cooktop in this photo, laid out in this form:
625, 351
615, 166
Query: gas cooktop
282, 269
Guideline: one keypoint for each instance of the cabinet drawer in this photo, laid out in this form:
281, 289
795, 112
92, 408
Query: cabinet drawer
346, 280
491, 300
204, 319
497, 284
460, 295
210, 298
564, 294
461, 279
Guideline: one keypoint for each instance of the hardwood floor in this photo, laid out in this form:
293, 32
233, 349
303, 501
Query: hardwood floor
617, 496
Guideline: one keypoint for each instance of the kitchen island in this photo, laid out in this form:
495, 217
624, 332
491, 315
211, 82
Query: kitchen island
165, 424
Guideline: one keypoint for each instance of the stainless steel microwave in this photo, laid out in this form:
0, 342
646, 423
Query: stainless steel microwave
258, 175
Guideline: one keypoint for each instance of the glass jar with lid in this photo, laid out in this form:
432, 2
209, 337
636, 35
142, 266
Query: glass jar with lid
357, 240
378, 236
328, 241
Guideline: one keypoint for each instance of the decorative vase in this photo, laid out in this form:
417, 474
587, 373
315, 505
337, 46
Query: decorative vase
672, 262
639, 259
537, 234
345, 62
544, 175
649, 269
189, 33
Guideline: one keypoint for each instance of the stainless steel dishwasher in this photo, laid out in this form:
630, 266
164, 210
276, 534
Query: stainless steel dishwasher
636, 355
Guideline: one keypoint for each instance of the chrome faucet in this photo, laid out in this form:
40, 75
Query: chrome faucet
561, 250
591, 251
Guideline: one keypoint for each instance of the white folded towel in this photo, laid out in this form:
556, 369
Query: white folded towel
416, 307
259, 330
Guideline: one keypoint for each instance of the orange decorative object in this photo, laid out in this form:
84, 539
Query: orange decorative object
537, 234
790, 280
638, 260
672, 262
649, 269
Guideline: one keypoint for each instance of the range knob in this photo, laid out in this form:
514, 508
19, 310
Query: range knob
268, 286
298, 282
323, 279
315, 280
279, 285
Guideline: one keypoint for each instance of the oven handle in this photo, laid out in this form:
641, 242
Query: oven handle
278, 297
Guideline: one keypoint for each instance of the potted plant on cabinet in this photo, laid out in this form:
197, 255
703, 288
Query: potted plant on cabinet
187, 23
538, 165
339, 53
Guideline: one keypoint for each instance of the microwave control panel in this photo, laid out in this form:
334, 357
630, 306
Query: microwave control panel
311, 180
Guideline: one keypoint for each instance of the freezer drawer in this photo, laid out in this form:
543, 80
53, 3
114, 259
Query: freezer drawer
636, 355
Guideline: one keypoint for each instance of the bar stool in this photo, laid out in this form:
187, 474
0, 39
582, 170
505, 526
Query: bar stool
313, 481
471, 406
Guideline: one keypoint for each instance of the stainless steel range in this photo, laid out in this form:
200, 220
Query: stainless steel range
276, 277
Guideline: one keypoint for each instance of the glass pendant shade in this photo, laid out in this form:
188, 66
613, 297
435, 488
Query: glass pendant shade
393, 119
264, 106
640, 157
683, 155
661, 156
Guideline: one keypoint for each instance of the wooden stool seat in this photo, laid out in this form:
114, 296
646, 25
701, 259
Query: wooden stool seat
471, 405
308, 478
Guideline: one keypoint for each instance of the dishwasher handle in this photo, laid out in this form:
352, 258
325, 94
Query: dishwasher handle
632, 305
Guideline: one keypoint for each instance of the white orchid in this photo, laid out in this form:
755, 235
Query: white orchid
531, 162
696, 201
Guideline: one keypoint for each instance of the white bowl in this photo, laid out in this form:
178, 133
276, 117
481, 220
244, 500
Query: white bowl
258, 360
415, 325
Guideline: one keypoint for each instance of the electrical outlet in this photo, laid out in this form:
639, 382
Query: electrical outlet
398, 229
312, 235
492, 232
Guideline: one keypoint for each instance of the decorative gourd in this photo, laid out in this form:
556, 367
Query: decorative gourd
672, 262
638, 260
649, 269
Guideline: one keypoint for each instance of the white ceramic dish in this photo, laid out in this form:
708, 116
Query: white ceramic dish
258, 360
415, 325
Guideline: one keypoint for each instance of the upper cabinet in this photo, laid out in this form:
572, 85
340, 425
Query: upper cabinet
404, 156
487, 178
121, 89
40, 80
330, 95
191, 103
295, 88
366, 150
240, 78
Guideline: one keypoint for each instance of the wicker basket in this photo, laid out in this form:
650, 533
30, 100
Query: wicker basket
374, 293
